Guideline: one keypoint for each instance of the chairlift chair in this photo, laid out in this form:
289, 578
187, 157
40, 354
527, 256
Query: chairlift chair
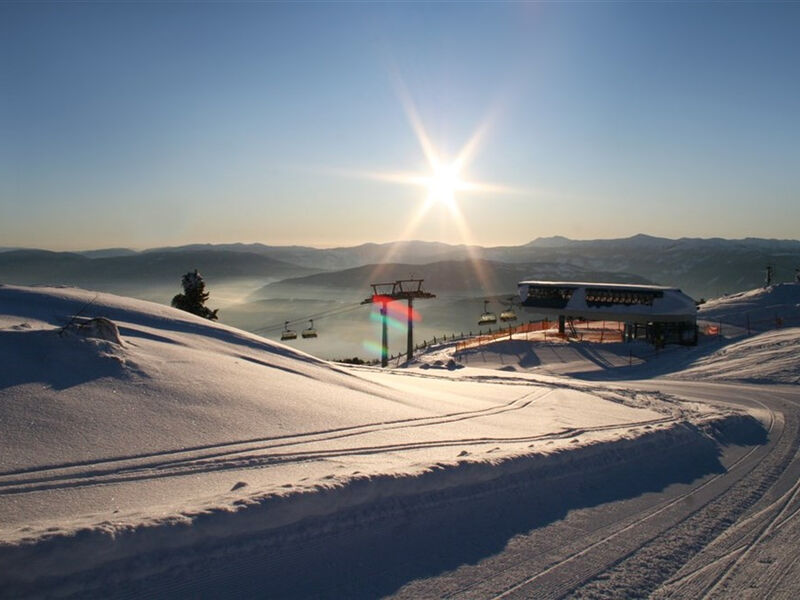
288, 334
487, 317
508, 313
310, 332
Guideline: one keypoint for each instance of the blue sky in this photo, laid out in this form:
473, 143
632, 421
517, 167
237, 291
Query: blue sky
146, 124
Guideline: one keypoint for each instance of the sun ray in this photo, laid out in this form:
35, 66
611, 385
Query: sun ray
468, 151
485, 279
416, 122
411, 226
478, 186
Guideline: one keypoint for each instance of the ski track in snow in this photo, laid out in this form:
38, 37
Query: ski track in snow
241, 459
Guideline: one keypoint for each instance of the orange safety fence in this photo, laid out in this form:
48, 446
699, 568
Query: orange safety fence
599, 335
738, 324
480, 339
599, 331
583, 331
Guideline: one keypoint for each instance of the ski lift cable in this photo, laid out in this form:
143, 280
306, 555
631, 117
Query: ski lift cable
333, 312
329, 313
339, 310
278, 327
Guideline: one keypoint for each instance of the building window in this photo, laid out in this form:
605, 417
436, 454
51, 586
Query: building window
548, 297
610, 297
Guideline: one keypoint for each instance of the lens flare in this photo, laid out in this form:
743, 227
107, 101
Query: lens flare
373, 348
392, 323
397, 313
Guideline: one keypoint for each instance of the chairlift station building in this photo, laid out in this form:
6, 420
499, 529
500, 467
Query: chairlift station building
655, 313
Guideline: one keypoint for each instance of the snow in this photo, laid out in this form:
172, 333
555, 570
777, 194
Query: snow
762, 308
771, 357
127, 426
180, 418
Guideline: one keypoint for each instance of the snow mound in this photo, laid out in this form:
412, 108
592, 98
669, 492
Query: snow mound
100, 328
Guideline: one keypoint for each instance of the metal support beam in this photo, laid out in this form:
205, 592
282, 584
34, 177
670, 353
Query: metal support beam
384, 336
410, 332
402, 289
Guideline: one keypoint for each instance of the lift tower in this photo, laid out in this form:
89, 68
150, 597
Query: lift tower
402, 289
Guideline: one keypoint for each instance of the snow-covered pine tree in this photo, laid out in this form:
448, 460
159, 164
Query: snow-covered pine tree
194, 296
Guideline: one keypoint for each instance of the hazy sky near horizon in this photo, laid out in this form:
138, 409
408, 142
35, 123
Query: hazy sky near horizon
151, 124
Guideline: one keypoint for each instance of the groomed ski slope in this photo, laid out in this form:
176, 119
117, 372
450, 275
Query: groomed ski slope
180, 431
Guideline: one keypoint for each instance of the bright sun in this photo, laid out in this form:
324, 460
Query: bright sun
443, 184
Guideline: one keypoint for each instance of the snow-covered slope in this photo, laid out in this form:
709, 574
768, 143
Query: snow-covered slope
176, 381
152, 428
772, 314
771, 357
760, 309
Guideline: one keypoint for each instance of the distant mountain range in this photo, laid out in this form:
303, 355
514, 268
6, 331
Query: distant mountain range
156, 267
455, 277
331, 259
702, 267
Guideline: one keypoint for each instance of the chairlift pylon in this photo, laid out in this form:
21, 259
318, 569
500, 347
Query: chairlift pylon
486, 316
288, 334
310, 332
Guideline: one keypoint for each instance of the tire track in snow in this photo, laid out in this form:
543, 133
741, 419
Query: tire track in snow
782, 513
525, 562
606, 553
645, 570
746, 529
706, 571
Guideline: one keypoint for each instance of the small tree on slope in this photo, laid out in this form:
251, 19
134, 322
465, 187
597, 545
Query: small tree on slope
194, 296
